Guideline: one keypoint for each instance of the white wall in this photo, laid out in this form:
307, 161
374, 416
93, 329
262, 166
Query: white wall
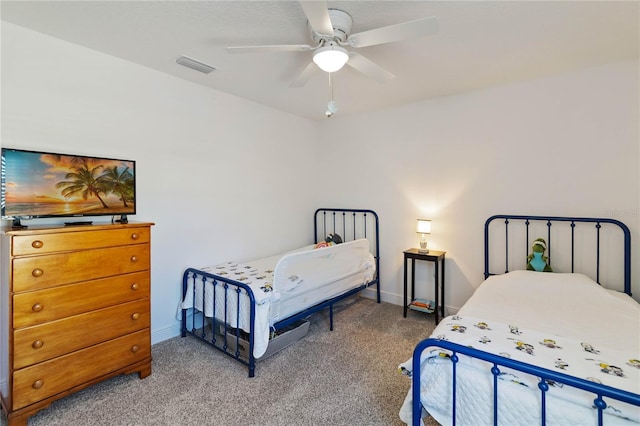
212, 169
565, 145
562, 145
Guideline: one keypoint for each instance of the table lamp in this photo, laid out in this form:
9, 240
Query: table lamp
424, 228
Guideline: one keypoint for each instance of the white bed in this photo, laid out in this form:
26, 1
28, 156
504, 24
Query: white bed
537, 347
573, 312
283, 285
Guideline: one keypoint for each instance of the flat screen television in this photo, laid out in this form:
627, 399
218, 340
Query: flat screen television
54, 185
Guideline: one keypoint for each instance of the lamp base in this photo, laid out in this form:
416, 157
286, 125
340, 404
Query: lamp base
425, 251
423, 247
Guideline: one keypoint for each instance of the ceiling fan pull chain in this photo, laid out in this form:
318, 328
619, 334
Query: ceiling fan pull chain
332, 108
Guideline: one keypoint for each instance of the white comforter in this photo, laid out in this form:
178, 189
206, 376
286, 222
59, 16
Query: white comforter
569, 309
284, 285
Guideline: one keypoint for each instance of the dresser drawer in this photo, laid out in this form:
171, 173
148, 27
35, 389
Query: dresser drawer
46, 341
40, 381
78, 240
36, 307
36, 272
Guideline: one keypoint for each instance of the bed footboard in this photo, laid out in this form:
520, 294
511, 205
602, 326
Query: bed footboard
495, 362
221, 297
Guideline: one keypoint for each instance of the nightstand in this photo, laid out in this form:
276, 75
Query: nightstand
432, 256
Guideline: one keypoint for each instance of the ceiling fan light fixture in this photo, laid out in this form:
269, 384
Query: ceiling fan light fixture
330, 58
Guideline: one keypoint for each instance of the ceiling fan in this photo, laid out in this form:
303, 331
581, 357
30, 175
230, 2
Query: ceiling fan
331, 31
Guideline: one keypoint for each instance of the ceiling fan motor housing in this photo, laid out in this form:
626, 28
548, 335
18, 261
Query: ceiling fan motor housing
341, 22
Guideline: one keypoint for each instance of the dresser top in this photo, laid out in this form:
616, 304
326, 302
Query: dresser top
49, 229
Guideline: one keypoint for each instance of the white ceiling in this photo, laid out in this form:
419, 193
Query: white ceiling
479, 44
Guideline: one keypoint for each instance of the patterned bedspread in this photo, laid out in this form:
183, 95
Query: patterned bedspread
257, 275
576, 358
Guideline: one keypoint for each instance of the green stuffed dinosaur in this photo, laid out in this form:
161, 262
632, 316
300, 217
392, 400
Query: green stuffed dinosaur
537, 261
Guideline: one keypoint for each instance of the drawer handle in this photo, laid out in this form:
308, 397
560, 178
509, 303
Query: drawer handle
135, 348
37, 272
134, 258
37, 384
135, 286
135, 236
37, 244
37, 307
37, 344
135, 316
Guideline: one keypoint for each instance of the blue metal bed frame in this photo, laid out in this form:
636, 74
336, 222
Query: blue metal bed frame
548, 221
600, 391
350, 224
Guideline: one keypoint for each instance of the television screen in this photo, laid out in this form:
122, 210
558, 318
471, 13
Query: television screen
44, 184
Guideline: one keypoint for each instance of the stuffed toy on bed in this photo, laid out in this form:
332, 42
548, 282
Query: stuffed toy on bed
332, 239
537, 261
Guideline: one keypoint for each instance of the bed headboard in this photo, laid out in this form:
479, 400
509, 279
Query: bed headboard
597, 247
350, 224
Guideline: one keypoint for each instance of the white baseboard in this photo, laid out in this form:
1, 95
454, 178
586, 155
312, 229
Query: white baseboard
394, 299
166, 333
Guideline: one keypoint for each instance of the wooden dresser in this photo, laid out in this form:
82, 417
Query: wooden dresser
74, 310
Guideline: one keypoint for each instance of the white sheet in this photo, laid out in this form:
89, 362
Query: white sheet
572, 305
284, 285
569, 306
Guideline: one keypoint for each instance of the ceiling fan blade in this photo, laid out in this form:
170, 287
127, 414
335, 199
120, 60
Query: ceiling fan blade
406, 30
318, 15
369, 68
270, 48
305, 75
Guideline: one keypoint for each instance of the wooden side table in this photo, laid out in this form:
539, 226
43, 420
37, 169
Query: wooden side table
432, 256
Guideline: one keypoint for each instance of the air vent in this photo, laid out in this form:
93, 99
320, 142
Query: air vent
195, 65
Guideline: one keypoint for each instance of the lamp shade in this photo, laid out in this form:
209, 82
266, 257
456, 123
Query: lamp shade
424, 226
330, 58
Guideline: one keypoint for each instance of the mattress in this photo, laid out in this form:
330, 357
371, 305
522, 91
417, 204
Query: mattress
283, 285
562, 322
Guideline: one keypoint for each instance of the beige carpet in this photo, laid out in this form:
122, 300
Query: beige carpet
345, 377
